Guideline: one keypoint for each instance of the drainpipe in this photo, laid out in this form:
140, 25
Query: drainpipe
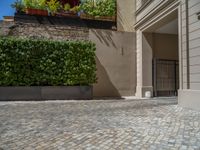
187, 43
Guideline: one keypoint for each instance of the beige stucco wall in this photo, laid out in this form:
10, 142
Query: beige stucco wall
165, 46
189, 96
116, 63
194, 44
126, 15
147, 55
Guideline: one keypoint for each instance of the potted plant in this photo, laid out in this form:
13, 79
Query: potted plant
75, 9
36, 7
99, 10
53, 6
66, 7
67, 11
19, 7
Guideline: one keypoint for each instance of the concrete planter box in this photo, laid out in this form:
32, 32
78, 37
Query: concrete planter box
65, 21
46, 93
102, 18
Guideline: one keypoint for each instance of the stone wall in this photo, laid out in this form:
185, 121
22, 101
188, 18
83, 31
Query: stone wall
115, 54
5, 28
35, 30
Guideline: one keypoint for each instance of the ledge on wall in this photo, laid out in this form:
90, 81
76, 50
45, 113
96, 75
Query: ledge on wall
8, 18
69, 21
26, 93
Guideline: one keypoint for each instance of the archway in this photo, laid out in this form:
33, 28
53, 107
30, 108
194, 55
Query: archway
158, 69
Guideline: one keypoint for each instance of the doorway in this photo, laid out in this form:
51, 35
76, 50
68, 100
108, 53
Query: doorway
160, 56
165, 63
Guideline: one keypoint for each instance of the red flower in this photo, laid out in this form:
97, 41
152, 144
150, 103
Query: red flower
71, 2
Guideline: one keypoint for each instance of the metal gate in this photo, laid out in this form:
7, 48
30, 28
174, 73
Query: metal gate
165, 77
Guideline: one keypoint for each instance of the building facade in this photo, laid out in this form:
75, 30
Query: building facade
168, 49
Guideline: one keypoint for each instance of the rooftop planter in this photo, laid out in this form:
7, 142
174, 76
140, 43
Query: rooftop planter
66, 21
101, 18
32, 7
99, 10
104, 10
32, 11
45, 70
67, 14
67, 11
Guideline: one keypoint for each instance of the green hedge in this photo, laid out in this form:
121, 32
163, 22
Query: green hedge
28, 62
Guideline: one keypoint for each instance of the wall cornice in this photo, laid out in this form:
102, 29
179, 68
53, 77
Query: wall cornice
143, 6
159, 8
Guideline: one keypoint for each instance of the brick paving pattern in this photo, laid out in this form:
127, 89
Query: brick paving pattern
99, 125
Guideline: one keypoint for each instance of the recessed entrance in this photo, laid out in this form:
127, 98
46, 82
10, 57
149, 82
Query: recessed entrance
160, 44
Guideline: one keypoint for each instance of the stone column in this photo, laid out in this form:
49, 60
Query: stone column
144, 63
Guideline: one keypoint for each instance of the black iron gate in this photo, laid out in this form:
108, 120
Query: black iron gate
165, 77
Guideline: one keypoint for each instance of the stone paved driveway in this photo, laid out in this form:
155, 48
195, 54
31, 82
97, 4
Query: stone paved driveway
104, 125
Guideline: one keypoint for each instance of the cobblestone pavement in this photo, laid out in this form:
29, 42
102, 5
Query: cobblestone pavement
104, 125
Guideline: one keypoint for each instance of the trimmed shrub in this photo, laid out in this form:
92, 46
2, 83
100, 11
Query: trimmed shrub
28, 62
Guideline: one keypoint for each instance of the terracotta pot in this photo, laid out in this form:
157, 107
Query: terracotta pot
40, 12
30, 11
